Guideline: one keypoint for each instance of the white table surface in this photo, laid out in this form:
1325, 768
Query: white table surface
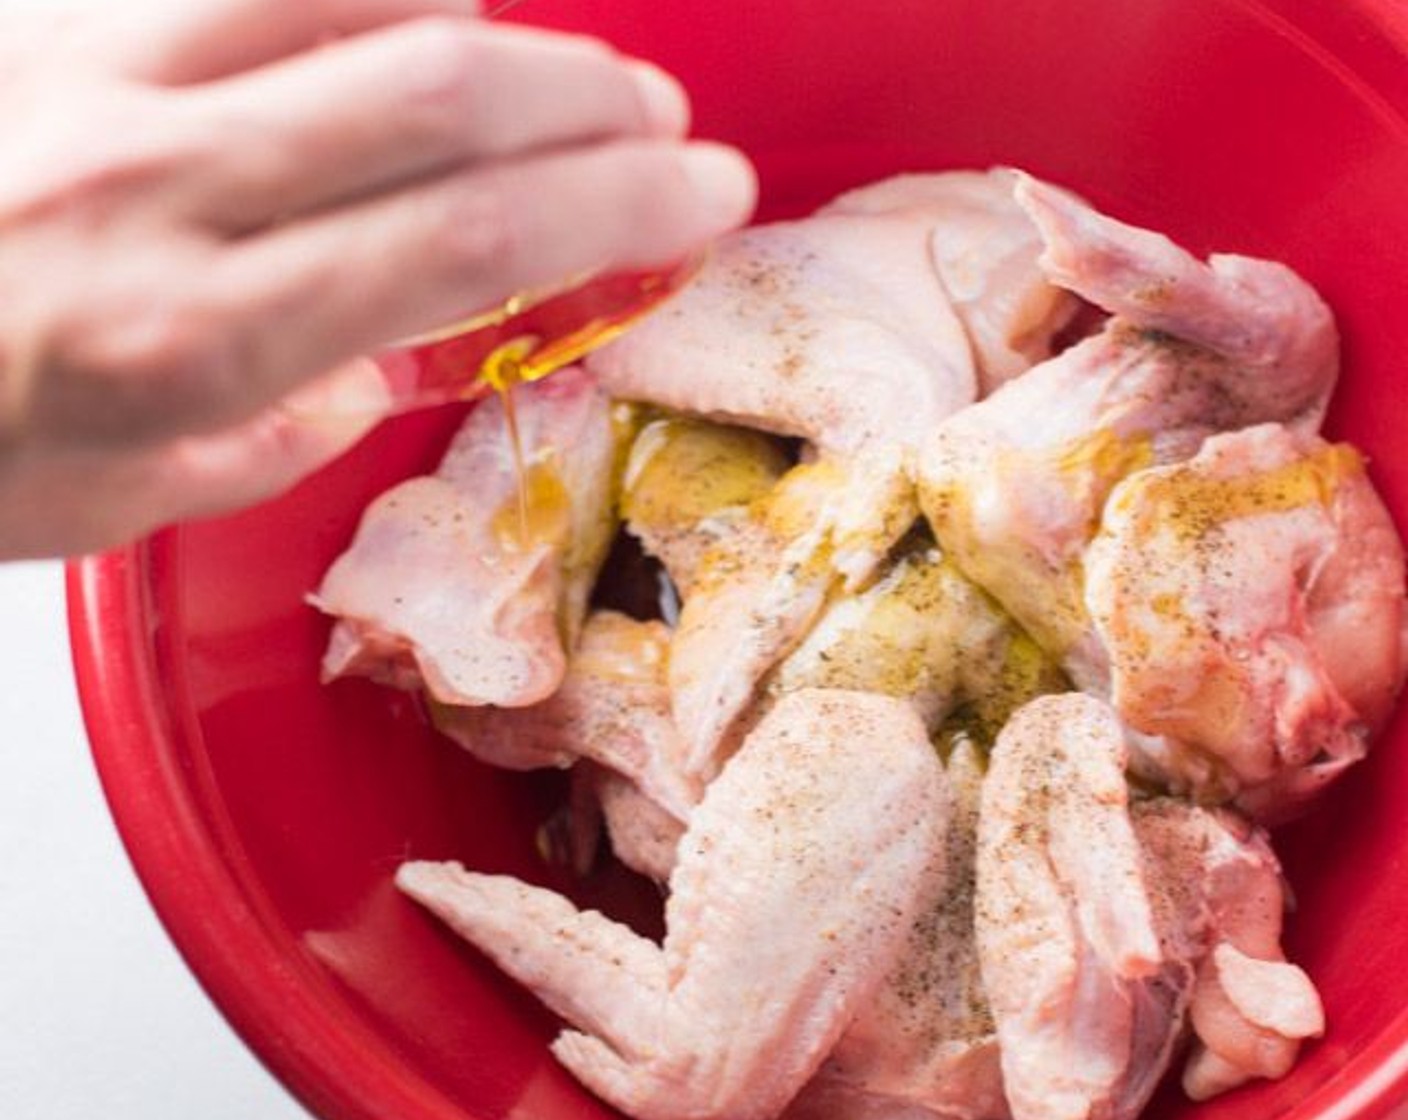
99, 1016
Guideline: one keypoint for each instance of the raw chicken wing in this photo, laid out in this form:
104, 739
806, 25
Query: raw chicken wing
1221, 887
836, 329
924, 1046
441, 588
1252, 604
1014, 486
796, 887
985, 249
613, 708
1087, 1004
867, 323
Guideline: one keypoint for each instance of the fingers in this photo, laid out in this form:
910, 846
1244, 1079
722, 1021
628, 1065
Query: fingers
406, 102
250, 319
188, 328
177, 42
354, 280
206, 475
83, 498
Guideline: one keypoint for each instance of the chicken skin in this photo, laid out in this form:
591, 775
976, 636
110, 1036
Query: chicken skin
1221, 899
1014, 486
688, 488
926, 633
1251, 600
822, 531
985, 249
1086, 1003
795, 889
924, 1046
835, 328
447, 587
612, 708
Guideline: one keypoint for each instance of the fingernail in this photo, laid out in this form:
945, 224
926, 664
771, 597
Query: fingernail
723, 181
664, 100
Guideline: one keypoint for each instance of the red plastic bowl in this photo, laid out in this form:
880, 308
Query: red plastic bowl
266, 813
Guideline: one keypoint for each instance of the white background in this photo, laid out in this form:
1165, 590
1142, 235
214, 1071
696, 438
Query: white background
98, 1014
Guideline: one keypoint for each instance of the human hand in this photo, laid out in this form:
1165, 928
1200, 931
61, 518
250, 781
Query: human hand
209, 208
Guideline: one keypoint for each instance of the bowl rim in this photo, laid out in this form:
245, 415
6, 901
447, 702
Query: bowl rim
241, 959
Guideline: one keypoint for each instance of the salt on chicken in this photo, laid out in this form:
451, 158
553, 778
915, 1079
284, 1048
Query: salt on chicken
838, 329
688, 489
1087, 1005
445, 587
1221, 899
765, 962
1251, 601
1014, 486
924, 1046
923, 631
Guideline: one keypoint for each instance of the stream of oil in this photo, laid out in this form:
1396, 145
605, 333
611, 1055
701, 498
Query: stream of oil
503, 371
528, 358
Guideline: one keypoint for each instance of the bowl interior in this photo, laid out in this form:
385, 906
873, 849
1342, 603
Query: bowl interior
266, 813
